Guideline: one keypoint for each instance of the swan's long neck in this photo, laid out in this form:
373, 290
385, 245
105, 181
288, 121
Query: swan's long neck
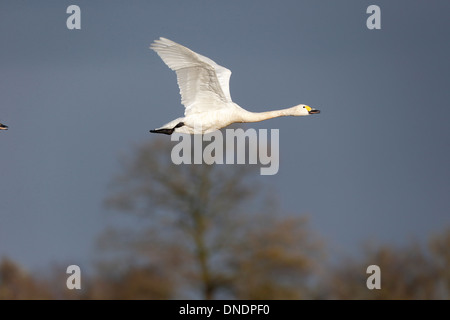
248, 116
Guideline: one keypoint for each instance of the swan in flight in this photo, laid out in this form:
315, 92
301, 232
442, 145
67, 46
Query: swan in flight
205, 93
3, 126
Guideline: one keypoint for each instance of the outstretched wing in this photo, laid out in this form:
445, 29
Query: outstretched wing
204, 85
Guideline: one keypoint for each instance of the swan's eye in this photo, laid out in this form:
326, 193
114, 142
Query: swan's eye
304, 107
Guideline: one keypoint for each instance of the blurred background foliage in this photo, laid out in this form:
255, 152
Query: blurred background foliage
217, 232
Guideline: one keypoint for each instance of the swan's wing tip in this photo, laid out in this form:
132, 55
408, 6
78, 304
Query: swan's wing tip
161, 43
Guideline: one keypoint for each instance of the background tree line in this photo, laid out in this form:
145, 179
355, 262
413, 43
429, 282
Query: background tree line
214, 231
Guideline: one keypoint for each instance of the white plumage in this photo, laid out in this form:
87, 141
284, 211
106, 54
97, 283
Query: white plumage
205, 93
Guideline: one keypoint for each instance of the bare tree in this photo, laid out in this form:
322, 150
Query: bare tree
17, 284
439, 246
408, 272
208, 227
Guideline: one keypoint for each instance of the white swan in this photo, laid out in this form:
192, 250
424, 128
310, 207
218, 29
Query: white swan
3, 126
205, 93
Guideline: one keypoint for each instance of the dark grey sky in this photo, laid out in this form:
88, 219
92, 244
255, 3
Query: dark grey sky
373, 165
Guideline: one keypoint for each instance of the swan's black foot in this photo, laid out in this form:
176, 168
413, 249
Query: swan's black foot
167, 131
164, 131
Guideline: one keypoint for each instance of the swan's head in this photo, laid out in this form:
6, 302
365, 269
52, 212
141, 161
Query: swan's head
3, 126
304, 110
